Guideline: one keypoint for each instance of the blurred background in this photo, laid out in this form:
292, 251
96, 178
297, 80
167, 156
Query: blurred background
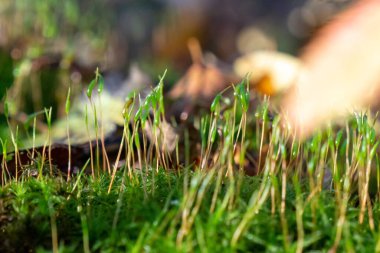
48, 45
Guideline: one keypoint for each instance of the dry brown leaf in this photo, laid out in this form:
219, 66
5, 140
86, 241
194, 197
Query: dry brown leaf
200, 84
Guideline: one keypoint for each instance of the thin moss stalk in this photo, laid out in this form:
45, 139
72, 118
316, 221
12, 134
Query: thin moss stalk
67, 111
90, 144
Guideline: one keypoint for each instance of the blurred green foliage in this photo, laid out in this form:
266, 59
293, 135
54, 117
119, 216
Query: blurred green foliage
39, 41
6, 80
54, 18
6, 73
